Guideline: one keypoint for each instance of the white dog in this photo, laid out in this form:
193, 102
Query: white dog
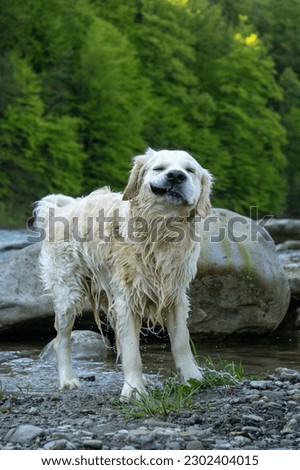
132, 255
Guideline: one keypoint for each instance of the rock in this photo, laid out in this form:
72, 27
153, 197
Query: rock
253, 418
23, 434
173, 445
12, 241
290, 427
260, 384
290, 260
283, 229
60, 444
21, 292
195, 445
14, 246
293, 276
85, 345
297, 318
240, 285
92, 444
240, 441
289, 245
290, 375
24, 304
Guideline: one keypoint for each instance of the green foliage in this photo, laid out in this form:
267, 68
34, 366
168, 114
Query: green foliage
249, 129
110, 104
38, 154
290, 112
87, 84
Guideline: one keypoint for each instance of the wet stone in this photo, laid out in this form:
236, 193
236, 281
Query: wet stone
222, 445
59, 444
173, 445
251, 429
252, 418
195, 445
290, 427
23, 434
287, 374
260, 384
239, 441
92, 444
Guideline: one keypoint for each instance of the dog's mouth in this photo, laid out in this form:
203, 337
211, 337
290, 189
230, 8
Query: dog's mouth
171, 194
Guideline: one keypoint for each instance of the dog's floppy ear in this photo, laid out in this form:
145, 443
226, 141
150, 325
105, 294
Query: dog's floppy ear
135, 179
204, 206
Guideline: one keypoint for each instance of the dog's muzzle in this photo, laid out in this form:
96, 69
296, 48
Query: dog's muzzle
172, 187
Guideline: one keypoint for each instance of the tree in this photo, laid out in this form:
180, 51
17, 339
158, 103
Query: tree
211, 42
278, 24
38, 154
290, 112
249, 127
19, 135
111, 105
164, 44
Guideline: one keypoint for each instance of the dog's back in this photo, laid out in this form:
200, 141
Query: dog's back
65, 218
51, 201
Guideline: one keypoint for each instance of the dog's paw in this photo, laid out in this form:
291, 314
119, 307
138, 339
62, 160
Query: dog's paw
195, 373
69, 384
130, 391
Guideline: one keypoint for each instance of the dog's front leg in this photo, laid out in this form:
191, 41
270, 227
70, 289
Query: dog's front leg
127, 329
64, 321
180, 341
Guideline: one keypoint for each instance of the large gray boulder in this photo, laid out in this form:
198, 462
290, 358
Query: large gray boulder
22, 297
241, 285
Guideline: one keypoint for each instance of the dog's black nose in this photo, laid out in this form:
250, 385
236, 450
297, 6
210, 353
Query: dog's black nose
176, 176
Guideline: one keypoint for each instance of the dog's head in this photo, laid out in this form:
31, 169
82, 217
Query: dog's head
171, 177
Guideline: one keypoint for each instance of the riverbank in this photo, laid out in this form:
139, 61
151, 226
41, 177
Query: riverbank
252, 414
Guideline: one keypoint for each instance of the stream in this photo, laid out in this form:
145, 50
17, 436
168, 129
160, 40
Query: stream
21, 368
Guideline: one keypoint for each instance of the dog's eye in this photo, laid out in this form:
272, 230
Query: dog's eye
159, 168
190, 170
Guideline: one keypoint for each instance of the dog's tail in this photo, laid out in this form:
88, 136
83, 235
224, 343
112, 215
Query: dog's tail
42, 208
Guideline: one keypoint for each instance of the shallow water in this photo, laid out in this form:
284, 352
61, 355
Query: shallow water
21, 369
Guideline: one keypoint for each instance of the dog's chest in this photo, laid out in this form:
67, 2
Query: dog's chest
156, 276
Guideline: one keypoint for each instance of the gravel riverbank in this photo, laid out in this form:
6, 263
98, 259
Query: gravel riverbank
257, 414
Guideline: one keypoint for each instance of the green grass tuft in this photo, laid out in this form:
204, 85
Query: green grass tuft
172, 396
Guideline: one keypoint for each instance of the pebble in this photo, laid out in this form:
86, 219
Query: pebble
59, 444
195, 445
240, 441
290, 427
92, 444
257, 414
23, 434
287, 374
260, 384
173, 445
252, 417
